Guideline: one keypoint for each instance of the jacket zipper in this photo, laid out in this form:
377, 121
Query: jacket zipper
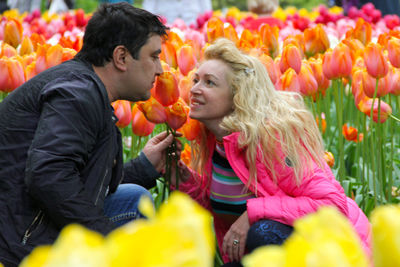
30, 229
101, 187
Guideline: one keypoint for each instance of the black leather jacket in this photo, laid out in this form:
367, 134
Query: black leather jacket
60, 154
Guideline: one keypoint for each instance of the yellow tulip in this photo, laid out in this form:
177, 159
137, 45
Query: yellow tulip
385, 222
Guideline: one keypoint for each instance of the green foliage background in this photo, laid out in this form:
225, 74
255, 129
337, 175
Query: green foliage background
90, 5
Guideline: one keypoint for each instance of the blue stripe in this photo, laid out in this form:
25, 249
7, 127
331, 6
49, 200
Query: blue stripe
228, 202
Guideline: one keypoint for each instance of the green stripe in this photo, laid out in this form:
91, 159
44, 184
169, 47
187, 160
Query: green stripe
226, 178
244, 195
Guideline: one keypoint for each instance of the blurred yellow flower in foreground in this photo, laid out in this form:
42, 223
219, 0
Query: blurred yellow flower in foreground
322, 239
385, 222
180, 234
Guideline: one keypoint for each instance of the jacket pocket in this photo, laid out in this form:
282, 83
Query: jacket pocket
36, 222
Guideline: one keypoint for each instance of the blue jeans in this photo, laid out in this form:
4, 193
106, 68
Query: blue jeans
264, 232
122, 206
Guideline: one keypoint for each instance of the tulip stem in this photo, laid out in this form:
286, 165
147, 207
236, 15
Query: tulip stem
338, 93
393, 117
373, 143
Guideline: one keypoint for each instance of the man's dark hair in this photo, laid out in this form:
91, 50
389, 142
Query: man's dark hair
118, 24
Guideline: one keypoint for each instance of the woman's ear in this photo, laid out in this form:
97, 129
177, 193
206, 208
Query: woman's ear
120, 57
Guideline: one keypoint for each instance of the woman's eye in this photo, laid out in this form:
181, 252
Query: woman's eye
195, 81
209, 82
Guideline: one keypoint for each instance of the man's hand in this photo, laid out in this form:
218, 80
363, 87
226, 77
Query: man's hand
155, 150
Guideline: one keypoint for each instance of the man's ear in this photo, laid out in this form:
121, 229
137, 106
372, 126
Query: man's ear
120, 57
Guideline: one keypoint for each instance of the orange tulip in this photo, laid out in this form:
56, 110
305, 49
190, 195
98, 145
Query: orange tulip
186, 155
308, 84
37, 39
362, 31
12, 74
30, 70
230, 33
357, 86
13, 32
140, 125
322, 81
176, 114
248, 40
316, 41
296, 40
168, 54
26, 46
166, 89
152, 110
67, 54
48, 56
393, 48
7, 51
191, 129
338, 63
186, 59
365, 106
185, 84
269, 39
394, 78
122, 109
356, 48
329, 158
215, 29
270, 66
351, 133
291, 58
369, 85
289, 81
323, 123
375, 61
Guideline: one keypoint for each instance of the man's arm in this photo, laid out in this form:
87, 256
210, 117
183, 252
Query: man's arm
66, 133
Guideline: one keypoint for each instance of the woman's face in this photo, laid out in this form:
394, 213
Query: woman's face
211, 98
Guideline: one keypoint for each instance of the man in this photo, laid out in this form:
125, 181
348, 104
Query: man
60, 151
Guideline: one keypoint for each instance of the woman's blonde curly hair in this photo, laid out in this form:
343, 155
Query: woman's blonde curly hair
266, 119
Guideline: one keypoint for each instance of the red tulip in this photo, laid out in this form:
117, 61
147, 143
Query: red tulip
152, 110
365, 106
166, 89
351, 134
291, 58
369, 85
186, 59
176, 114
140, 125
375, 61
122, 109
185, 84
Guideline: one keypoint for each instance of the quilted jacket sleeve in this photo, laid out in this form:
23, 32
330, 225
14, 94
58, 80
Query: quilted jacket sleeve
291, 202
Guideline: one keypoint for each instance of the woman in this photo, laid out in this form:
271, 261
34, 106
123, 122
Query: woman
258, 165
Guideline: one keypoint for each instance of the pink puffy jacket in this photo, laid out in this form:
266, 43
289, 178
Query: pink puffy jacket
283, 201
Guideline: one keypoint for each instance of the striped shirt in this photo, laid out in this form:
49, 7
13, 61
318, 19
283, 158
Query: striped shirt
228, 193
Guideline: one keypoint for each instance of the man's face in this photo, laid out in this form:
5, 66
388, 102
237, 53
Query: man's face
142, 72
